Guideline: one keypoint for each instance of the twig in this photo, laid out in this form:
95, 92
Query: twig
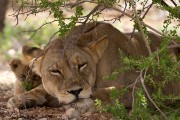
142, 19
92, 12
174, 46
173, 2
133, 92
147, 10
130, 16
123, 12
147, 93
144, 5
140, 27
53, 36
35, 31
77, 3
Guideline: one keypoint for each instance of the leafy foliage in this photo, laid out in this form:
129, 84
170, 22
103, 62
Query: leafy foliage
27, 86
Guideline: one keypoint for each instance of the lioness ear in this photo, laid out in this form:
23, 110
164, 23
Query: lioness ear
30, 52
97, 48
14, 64
36, 63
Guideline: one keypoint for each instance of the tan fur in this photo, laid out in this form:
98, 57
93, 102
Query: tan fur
24, 75
23, 72
74, 67
35, 96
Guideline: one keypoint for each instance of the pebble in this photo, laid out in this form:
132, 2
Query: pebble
74, 119
65, 117
102, 117
72, 113
42, 119
111, 119
87, 114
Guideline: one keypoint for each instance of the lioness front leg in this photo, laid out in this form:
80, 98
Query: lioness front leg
34, 97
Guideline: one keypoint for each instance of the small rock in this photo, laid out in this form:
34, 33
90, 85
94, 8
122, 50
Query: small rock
14, 115
102, 117
111, 119
59, 117
87, 114
74, 119
72, 113
7, 118
65, 117
42, 119
66, 107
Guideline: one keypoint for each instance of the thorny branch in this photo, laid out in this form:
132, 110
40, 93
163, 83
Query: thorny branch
148, 95
133, 91
36, 30
140, 27
34, 11
90, 13
130, 16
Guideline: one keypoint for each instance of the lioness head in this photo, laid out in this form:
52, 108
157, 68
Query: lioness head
68, 71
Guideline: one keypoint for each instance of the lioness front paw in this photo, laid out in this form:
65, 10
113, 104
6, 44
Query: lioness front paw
13, 103
20, 103
84, 104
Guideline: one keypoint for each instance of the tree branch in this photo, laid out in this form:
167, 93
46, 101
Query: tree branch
147, 93
140, 27
130, 16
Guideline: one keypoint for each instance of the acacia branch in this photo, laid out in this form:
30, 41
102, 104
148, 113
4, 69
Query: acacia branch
140, 27
130, 16
133, 91
90, 13
147, 93
173, 2
35, 31
77, 3
142, 19
168, 8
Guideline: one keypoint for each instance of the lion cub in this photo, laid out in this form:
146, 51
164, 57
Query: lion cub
26, 79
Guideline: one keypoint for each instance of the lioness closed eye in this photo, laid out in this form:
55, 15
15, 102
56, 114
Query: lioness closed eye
74, 67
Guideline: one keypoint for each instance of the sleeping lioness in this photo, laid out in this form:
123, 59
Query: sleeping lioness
73, 67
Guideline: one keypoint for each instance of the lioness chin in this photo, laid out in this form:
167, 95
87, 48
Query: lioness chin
73, 67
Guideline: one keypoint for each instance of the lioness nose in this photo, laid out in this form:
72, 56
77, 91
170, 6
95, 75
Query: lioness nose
75, 92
